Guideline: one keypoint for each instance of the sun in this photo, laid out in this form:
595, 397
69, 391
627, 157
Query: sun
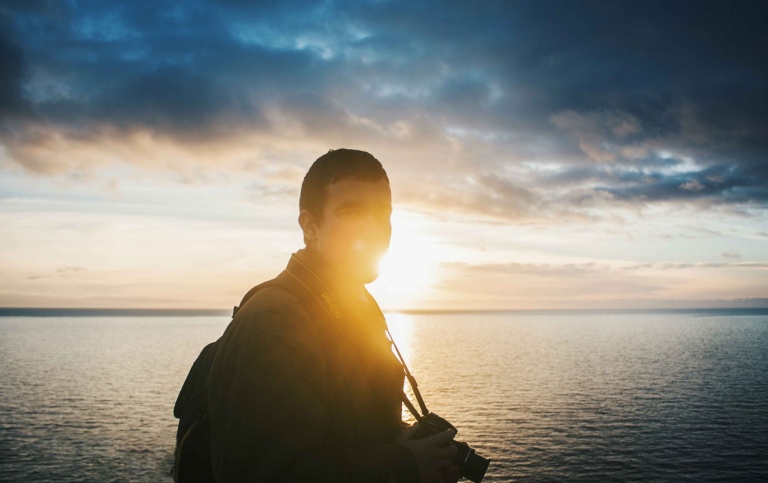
407, 270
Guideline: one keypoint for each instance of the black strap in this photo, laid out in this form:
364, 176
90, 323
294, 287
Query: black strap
412, 381
408, 375
410, 407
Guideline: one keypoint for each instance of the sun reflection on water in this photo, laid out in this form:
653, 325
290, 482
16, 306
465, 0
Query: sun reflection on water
401, 329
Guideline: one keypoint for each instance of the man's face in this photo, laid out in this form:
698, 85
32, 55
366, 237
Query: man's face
355, 230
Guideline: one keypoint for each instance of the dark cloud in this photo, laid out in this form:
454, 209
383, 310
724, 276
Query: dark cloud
509, 109
724, 182
11, 76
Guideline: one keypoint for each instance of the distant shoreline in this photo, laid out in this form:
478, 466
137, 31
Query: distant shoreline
91, 312
96, 312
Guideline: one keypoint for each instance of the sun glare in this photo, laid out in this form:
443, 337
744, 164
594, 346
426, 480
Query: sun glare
406, 271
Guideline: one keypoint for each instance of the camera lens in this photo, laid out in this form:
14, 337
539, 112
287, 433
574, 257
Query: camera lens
475, 467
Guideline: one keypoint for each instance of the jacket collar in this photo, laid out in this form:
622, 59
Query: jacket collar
318, 278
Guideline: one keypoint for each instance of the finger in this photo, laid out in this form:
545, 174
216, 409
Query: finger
407, 433
443, 438
448, 451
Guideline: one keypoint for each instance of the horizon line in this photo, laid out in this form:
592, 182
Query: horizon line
148, 312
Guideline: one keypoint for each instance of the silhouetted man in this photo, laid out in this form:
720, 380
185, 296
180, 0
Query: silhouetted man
305, 387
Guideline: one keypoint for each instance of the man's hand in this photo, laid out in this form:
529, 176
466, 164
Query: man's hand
434, 455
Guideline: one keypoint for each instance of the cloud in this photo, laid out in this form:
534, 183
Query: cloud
688, 266
539, 269
64, 272
692, 185
498, 108
528, 282
11, 78
595, 130
579, 269
70, 269
597, 284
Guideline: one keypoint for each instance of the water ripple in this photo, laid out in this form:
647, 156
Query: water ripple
659, 397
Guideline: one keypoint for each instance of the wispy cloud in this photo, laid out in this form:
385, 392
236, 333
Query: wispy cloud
64, 272
596, 284
580, 269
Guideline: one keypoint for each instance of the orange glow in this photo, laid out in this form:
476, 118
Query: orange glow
408, 269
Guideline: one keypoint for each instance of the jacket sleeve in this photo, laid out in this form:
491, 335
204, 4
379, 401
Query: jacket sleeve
269, 411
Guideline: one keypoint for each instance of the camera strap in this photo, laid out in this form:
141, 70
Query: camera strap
412, 382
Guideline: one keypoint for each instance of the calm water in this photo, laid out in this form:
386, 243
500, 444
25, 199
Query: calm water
563, 397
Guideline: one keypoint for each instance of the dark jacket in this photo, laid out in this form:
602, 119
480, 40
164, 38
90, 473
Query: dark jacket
305, 388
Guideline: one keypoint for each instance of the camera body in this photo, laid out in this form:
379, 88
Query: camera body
471, 465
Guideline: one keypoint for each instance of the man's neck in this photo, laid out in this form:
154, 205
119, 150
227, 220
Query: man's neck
340, 283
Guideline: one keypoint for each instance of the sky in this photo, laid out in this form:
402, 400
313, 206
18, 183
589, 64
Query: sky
542, 154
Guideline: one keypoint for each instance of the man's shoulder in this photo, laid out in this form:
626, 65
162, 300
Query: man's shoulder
272, 308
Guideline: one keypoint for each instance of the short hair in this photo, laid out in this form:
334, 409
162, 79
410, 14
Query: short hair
331, 167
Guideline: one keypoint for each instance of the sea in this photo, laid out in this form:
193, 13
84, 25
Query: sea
643, 396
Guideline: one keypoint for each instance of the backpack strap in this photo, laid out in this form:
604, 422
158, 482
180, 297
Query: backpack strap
298, 280
251, 293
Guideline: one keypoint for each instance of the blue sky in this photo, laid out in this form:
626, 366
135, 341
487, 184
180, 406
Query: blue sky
545, 154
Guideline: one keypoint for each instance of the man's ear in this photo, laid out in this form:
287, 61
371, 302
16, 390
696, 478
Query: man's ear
308, 225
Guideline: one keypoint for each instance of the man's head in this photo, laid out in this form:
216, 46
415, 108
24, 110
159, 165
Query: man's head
345, 207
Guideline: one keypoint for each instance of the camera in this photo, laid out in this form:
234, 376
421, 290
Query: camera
471, 465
